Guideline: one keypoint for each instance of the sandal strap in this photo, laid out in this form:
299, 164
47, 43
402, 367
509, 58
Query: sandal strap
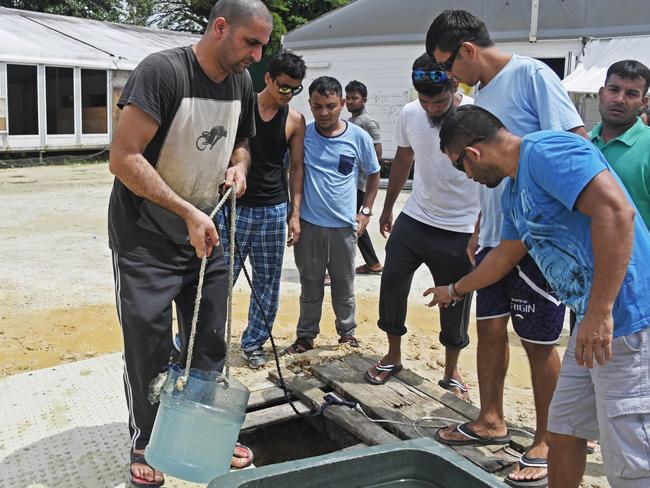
528, 462
137, 458
384, 367
454, 383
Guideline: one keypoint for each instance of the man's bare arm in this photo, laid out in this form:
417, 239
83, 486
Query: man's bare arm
240, 161
612, 237
399, 173
296, 173
580, 130
377, 146
134, 131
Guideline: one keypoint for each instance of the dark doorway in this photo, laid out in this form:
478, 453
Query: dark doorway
22, 100
556, 64
93, 102
59, 95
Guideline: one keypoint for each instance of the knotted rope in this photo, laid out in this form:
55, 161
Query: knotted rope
182, 380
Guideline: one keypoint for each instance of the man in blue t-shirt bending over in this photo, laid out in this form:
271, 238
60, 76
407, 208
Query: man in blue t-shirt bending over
565, 206
330, 223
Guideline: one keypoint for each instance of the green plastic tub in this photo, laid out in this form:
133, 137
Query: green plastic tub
417, 463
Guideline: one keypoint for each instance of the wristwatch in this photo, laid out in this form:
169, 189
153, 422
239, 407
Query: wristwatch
367, 211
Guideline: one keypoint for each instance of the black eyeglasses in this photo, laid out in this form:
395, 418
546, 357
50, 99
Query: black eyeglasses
438, 77
458, 164
449, 64
288, 90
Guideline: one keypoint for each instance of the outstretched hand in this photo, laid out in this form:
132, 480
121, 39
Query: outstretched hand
439, 296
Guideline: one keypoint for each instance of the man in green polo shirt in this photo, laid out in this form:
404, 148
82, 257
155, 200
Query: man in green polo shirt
622, 136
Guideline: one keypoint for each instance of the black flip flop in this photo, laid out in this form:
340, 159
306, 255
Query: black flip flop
473, 439
389, 369
528, 462
137, 458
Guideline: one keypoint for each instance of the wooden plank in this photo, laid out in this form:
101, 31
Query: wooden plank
308, 389
399, 402
519, 440
265, 397
379, 402
272, 415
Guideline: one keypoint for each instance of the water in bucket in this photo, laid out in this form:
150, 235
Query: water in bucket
196, 429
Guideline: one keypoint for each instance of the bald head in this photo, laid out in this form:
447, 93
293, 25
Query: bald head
238, 12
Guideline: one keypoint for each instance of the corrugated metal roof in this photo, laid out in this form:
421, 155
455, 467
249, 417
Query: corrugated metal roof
34, 37
365, 22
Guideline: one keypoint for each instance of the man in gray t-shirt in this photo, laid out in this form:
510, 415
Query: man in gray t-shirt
187, 114
356, 95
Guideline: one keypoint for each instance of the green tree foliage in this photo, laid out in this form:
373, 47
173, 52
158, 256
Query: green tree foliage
136, 11
289, 14
192, 15
180, 15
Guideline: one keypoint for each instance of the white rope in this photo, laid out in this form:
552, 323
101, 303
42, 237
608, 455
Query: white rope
182, 380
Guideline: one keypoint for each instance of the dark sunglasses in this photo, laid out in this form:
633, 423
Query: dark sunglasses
458, 164
288, 90
449, 64
436, 76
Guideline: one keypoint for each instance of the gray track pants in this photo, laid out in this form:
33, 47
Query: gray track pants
320, 249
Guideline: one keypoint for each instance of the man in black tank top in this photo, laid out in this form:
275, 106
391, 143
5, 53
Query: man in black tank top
262, 210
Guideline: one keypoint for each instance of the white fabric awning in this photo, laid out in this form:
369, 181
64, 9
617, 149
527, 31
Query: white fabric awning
599, 55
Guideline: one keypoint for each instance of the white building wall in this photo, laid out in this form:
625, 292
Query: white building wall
386, 70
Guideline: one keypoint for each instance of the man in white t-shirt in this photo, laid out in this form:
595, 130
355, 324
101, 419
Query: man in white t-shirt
434, 227
527, 97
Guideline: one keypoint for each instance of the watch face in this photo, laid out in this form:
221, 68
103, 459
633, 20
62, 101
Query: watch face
365, 211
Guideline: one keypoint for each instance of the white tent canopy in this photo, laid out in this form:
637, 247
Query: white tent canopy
33, 37
599, 54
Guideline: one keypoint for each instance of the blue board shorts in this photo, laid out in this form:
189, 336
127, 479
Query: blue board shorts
526, 297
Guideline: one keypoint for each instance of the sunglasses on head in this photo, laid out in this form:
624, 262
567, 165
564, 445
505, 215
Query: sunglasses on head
433, 75
449, 63
458, 164
288, 90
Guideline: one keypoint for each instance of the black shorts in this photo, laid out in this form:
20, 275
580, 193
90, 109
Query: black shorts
525, 296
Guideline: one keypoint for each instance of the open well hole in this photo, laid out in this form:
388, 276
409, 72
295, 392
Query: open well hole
297, 438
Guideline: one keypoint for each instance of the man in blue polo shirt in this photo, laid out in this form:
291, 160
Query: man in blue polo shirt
335, 151
566, 207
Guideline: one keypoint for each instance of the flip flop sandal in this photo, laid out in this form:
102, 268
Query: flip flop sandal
364, 269
388, 369
298, 347
452, 383
473, 439
528, 462
591, 449
137, 458
248, 456
349, 340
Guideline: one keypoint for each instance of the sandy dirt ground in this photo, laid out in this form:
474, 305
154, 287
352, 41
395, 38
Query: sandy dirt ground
57, 302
